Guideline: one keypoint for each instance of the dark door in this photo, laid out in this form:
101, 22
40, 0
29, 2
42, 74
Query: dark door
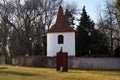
62, 61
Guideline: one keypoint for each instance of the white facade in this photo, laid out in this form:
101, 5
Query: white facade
68, 46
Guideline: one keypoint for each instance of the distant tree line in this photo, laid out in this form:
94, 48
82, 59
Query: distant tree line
101, 38
24, 23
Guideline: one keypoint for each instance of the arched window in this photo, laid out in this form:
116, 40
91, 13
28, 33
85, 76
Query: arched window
60, 39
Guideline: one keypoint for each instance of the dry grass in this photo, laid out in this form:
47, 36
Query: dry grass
8, 72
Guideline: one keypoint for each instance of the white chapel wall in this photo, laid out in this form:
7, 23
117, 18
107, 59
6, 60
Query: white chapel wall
69, 43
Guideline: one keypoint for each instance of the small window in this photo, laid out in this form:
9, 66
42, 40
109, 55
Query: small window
60, 39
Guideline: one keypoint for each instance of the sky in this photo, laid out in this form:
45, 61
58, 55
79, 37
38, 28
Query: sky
91, 6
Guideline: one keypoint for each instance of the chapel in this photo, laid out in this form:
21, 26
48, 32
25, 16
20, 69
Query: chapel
60, 36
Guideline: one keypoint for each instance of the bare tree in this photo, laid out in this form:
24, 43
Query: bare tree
28, 21
108, 24
6, 11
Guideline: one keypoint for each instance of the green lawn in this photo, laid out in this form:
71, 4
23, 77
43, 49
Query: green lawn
8, 72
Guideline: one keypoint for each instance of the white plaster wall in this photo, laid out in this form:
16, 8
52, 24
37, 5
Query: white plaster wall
69, 43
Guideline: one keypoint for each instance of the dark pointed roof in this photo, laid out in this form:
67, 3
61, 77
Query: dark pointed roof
60, 25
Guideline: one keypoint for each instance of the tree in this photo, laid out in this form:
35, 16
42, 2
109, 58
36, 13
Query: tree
108, 24
69, 18
85, 22
117, 5
84, 29
82, 42
28, 21
117, 51
99, 44
5, 12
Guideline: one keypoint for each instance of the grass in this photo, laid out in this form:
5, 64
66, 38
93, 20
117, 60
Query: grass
8, 72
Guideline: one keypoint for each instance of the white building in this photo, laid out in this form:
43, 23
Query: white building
60, 35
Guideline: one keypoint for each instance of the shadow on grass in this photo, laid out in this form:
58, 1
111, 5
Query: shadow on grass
105, 72
17, 73
3, 67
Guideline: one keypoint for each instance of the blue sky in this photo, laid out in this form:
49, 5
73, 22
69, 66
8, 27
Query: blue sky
91, 6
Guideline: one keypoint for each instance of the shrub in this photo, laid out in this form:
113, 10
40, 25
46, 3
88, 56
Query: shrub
117, 52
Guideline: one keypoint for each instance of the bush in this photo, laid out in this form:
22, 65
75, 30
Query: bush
117, 52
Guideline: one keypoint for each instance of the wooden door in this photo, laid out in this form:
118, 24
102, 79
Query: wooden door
62, 61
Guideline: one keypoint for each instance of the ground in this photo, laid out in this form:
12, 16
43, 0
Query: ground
8, 72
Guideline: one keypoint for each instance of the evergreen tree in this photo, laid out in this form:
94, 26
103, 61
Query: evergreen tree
69, 18
99, 44
85, 22
84, 29
117, 52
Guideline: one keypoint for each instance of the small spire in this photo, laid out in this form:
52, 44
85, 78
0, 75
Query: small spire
60, 25
60, 16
